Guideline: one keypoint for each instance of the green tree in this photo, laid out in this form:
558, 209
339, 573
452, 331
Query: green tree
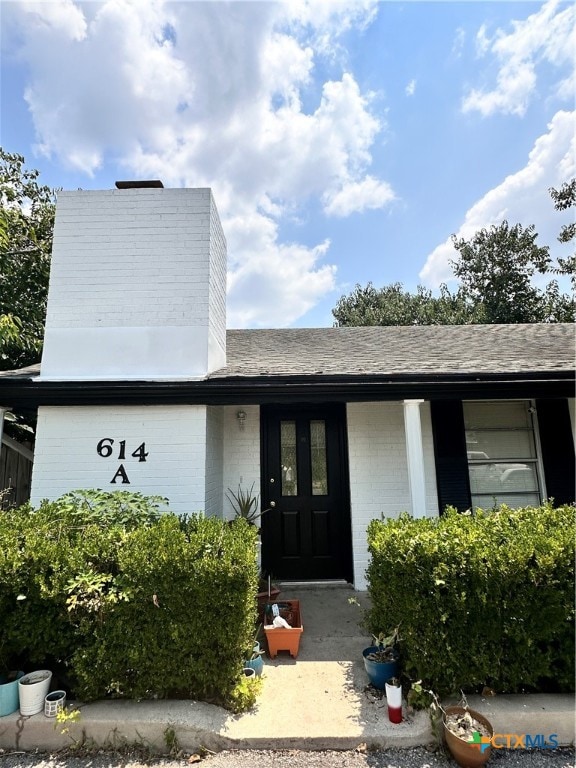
496, 268
26, 227
565, 198
392, 305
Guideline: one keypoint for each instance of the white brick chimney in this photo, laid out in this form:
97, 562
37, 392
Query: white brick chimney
137, 286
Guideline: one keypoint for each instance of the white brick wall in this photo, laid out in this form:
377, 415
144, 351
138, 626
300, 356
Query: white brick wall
66, 457
214, 461
133, 273
217, 292
241, 451
378, 470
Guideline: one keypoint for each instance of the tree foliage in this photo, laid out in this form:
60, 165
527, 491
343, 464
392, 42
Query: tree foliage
565, 198
26, 226
392, 305
498, 270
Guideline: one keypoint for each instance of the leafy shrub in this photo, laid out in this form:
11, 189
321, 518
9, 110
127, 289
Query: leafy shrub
103, 509
482, 599
185, 616
245, 694
128, 601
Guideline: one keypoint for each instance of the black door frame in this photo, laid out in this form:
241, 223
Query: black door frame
338, 412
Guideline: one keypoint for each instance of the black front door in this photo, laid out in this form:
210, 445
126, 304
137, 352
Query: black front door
306, 532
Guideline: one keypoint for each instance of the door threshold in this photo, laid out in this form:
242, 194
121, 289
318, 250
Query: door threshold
337, 583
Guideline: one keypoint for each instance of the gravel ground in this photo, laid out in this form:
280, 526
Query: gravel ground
393, 758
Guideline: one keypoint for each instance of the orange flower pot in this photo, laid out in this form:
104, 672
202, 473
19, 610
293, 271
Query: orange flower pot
280, 639
467, 755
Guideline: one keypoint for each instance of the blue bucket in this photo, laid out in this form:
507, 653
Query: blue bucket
9, 694
256, 664
377, 671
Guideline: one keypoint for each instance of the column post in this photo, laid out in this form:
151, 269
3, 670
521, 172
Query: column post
415, 456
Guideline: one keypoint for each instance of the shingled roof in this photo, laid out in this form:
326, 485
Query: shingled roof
296, 365
390, 350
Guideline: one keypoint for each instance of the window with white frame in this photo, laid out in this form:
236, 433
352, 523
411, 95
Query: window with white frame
502, 453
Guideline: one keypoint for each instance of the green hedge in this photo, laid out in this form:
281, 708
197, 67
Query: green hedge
483, 599
125, 601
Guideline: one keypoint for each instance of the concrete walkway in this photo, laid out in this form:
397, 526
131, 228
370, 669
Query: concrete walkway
317, 701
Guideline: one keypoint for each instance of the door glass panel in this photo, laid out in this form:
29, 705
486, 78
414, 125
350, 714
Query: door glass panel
318, 458
288, 458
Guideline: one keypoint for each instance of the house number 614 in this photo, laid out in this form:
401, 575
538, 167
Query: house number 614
105, 449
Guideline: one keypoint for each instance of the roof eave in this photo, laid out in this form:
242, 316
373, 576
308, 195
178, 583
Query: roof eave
30, 392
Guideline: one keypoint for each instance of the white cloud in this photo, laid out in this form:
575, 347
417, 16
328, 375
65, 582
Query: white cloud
522, 198
213, 94
359, 196
411, 88
328, 19
103, 91
547, 36
62, 18
482, 41
274, 283
458, 44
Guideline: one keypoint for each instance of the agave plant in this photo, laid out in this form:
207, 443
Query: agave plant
245, 504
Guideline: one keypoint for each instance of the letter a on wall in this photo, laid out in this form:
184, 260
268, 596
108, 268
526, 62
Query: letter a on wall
120, 472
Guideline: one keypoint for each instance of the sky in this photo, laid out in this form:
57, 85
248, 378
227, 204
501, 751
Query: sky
344, 142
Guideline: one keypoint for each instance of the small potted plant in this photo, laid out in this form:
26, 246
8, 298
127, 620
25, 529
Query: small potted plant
255, 660
468, 736
283, 628
381, 658
466, 733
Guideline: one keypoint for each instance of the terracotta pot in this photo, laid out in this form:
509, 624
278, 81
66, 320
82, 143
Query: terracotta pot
466, 754
280, 639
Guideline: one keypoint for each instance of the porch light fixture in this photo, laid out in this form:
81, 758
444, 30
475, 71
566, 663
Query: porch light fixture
241, 416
